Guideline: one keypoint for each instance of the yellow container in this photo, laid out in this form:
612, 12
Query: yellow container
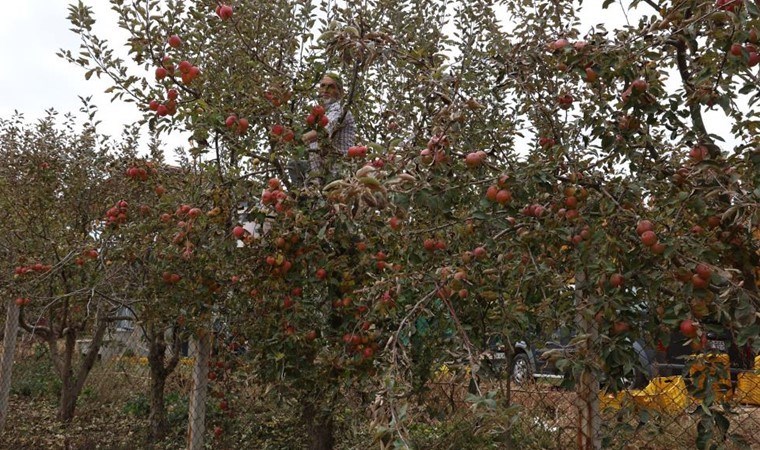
664, 394
713, 365
612, 401
748, 388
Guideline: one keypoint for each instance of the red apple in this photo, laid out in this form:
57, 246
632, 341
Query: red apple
688, 328
643, 226
238, 232
224, 12
616, 280
161, 73
648, 238
242, 125
174, 41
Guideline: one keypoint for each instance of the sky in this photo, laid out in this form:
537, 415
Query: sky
33, 78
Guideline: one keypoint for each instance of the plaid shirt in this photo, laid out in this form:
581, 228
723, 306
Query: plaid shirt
342, 137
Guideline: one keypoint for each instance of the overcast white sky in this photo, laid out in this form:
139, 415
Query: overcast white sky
33, 78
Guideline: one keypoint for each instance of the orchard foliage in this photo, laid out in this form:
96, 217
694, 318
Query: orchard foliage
518, 170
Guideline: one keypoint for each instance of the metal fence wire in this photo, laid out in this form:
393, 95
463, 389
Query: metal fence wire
212, 399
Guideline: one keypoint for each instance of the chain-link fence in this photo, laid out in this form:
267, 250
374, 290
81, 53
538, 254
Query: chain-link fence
212, 399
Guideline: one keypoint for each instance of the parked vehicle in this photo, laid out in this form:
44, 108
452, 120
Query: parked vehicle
535, 357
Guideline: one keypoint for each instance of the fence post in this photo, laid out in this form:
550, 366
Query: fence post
9, 351
199, 387
589, 419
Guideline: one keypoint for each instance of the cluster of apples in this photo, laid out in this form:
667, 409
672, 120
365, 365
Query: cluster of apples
87, 254
34, 268
239, 125
274, 195
499, 193
645, 230
317, 117
117, 214
167, 108
434, 152
282, 133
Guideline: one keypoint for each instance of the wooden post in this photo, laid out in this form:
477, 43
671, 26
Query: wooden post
199, 389
9, 351
587, 387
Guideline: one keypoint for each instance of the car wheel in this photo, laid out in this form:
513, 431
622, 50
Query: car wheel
522, 373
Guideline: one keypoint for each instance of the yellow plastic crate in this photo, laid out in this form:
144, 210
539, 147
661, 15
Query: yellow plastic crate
664, 394
712, 365
748, 387
612, 401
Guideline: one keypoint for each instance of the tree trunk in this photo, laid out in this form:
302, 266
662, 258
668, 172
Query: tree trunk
9, 351
71, 384
319, 426
160, 370
197, 407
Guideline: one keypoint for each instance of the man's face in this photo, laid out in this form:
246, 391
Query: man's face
328, 90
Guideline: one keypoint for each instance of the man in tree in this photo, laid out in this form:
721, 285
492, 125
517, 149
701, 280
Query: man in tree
340, 129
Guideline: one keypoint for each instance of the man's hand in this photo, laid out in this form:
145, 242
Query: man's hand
309, 137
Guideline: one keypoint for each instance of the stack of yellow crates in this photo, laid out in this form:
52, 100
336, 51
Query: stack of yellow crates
664, 394
748, 385
713, 365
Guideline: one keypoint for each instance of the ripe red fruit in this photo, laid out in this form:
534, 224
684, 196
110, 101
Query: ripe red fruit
160, 190
698, 153
277, 130
616, 280
728, 5
311, 335
161, 73
162, 110
699, 282
394, 222
479, 253
172, 94
224, 12
704, 271
474, 159
559, 44
311, 120
688, 328
217, 430
754, 59
153, 105
274, 184
231, 120
648, 238
503, 197
429, 245
194, 212
321, 274
174, 41
639, 86
184, 67
591, 75
644, 225
571, 202
20, 301
238, 232
565, 101
323, 121
492, 192
242, 125
318, 110
620, 327
736, 49
546, 142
